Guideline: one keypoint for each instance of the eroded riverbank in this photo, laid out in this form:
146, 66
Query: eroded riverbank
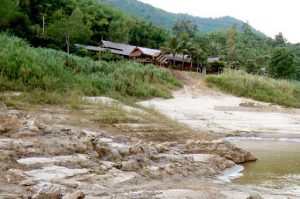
55, 152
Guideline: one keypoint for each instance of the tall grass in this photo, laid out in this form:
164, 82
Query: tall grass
39, 71
265, 89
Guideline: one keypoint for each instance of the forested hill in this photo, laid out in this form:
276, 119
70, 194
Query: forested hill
167, 19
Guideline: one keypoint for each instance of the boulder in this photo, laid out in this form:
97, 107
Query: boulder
221, 148
131, 165
48, 192
75, 195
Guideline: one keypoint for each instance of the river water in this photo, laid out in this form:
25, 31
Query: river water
277, 167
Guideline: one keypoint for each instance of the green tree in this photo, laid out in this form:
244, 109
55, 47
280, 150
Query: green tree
71, 30
119, 30
247, 28
231, 44
282, 63
8, 9
191, 49
172, 46
199, 57
185, 27
279, 39
214, 49
183, 49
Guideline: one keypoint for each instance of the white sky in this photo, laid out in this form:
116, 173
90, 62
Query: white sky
267, 16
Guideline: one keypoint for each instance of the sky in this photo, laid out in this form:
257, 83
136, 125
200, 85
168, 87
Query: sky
267, 16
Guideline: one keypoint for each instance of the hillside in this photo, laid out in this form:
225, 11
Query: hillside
167, 19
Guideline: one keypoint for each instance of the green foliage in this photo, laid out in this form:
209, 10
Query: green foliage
69, 30
199, 57
8, 10
261, 88
215, 67
172, 46
108, 56
279, 39
282, 63
41, 71
184, 27
61, 17
119, 31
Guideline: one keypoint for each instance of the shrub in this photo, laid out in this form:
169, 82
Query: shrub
24, 68
261, 88
215, 67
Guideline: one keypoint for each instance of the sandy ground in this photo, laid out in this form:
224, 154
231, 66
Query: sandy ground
210, 110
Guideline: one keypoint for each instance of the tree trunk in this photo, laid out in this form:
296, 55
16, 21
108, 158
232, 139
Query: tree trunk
43, 25
68, 43
182, 61
191, 65
174, 61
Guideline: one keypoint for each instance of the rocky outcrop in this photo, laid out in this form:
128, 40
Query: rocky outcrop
48, 192
55, 160
221, 148
75, 195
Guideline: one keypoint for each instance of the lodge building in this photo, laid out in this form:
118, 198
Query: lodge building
142, 54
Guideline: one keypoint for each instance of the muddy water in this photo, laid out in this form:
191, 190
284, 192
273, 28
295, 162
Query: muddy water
277, 168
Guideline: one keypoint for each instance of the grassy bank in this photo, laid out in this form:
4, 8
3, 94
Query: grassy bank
50, 76
265, 89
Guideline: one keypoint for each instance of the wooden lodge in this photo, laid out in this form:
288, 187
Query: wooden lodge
145, 55
140, 54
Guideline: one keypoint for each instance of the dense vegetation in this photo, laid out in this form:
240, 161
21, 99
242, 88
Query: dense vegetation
47, 74
261, 88
167, 20
60, 24
47, 23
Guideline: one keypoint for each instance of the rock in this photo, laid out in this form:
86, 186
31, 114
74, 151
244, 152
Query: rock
221, 148
48, 192
247, 104
2, 129
31, 125
75, 195
101, 150
28, 182
222, 163
9, 124
138, 148
7, 162
124, 151
3, 106
153, 172
239, 195
113, 155
166, 146
131, 165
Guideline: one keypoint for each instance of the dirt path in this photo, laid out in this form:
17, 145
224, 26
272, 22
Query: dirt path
210, 110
